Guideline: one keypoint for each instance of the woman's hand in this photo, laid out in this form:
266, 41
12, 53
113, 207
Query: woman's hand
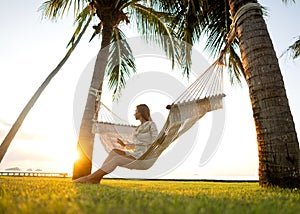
119, 141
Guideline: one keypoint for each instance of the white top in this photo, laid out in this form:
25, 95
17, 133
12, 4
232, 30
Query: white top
143, 137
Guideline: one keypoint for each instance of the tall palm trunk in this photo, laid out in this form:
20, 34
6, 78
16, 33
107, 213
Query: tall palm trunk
278, 146
83, 165
14, 129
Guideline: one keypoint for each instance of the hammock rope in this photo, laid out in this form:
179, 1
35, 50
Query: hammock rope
104, 113
208, 84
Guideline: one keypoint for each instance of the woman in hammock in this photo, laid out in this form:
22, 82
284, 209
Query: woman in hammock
143, 137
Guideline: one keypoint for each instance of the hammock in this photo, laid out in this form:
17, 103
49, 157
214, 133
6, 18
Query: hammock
202, 96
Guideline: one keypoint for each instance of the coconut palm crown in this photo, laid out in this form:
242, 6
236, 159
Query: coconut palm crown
149, 23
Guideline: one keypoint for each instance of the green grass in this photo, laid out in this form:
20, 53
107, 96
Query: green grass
60, 195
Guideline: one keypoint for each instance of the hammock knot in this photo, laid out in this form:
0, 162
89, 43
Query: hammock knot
97, 93
240, 12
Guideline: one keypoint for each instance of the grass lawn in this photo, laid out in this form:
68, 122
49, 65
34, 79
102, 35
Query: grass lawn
60, 195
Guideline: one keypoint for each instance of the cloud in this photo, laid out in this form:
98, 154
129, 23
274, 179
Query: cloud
27, 154
29, 136
21, 134
3, 128
4, 123
2, 133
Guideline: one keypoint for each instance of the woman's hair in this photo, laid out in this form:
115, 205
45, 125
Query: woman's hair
145, 111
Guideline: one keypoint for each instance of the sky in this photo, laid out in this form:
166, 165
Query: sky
30, 48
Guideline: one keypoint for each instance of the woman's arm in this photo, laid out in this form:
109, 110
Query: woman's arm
127, 146
119, 141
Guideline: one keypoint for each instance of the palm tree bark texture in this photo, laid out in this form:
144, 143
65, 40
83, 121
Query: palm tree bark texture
109, 18
278, 146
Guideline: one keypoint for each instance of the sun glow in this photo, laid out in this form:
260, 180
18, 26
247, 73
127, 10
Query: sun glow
54, 155
66, 158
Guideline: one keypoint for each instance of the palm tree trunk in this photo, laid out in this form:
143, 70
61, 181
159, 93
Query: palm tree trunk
278, 146
14, 129
83, 165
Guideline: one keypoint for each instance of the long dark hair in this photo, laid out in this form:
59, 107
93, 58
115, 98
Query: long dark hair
145, 111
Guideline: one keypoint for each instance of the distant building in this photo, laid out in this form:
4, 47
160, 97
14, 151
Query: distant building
13, 169
38, 170
29, 169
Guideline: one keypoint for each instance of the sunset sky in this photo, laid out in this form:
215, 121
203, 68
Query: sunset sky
30, 48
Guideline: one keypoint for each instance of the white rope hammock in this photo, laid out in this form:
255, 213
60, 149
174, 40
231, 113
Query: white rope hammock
202, 96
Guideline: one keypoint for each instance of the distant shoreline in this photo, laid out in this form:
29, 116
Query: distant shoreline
33, 174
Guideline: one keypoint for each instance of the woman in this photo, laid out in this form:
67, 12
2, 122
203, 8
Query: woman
143, 137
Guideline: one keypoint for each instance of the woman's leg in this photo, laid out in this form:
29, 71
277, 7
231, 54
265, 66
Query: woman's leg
115, 158
113, 153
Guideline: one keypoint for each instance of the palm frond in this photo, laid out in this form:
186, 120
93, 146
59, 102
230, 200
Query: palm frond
163, 5
185, 26
207, 20
153, 26
53, 9
288, 1
235, 66
217, 26
117, 3
124, 4
80, 20
293, 50
121, 63
97, 30
184, 57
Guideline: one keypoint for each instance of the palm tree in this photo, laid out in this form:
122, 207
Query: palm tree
278, 146
110, 13
83, 18
276, 135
